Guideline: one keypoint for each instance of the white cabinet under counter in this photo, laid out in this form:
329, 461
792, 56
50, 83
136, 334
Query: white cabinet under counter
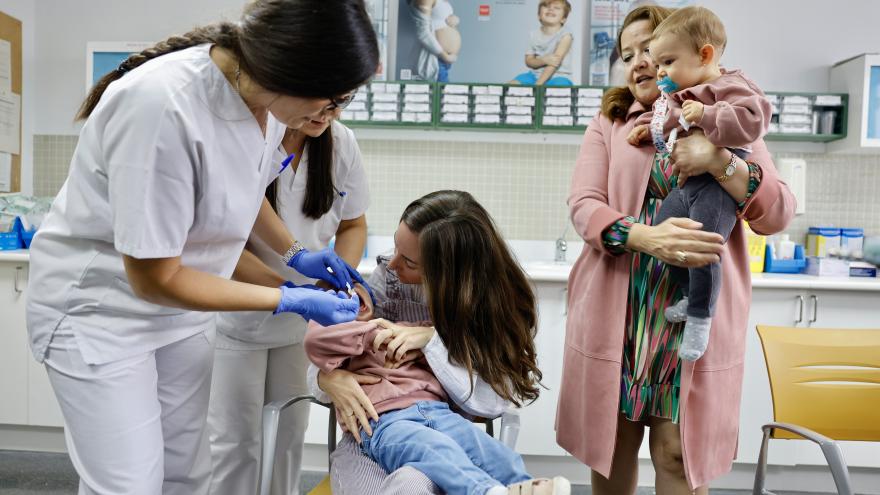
28, 398
14, 355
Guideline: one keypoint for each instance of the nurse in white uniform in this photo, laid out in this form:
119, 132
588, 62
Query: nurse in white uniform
259, 356
165, 186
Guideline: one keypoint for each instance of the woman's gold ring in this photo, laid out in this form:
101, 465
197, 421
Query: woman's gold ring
682, 257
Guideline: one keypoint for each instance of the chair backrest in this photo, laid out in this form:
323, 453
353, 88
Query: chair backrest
827, 380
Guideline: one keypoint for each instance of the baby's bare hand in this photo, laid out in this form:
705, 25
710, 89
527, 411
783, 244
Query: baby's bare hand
692, 111
637, 135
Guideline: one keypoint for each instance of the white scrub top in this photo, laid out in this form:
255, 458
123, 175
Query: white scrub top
251, 330
170, 163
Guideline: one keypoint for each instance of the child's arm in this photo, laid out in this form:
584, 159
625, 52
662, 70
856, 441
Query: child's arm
642, 130
561, 51
329, 347
739, 117
534, 62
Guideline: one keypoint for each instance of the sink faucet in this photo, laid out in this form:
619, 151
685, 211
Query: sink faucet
561, 248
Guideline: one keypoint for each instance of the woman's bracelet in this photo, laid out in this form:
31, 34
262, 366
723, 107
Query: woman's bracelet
294, 249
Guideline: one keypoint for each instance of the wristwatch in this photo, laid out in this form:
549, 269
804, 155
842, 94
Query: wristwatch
293, 251
729, 169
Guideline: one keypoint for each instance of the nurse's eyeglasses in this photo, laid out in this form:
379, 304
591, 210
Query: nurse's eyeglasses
340, 102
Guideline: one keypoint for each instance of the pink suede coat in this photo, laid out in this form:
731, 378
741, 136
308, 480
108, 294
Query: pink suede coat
609, 182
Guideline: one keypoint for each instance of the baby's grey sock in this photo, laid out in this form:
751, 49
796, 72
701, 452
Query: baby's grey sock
695, 338
677, 312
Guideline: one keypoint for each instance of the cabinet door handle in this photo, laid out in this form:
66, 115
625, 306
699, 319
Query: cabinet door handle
18, 271
815, 299
800, 317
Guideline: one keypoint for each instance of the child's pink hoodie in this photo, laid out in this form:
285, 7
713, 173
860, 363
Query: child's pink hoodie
350, 346
736, 112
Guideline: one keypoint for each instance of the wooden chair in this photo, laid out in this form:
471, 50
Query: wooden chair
825, 385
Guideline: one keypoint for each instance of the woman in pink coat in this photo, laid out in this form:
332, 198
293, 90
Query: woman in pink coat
622, 370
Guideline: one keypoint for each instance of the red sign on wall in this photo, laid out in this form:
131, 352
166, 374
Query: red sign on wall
484, 11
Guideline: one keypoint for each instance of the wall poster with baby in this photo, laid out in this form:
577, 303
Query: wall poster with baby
606, 16
490, 41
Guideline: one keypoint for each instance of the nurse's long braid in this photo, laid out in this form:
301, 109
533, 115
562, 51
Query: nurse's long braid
224, 34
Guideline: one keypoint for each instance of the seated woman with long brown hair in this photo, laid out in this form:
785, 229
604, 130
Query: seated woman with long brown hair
484, 316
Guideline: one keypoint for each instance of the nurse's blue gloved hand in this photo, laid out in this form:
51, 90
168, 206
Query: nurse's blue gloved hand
315, 265
327, 308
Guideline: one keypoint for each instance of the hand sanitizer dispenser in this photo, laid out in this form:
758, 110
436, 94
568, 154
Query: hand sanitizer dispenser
794, 172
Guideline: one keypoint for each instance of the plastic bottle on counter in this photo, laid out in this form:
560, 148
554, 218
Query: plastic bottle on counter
785, 248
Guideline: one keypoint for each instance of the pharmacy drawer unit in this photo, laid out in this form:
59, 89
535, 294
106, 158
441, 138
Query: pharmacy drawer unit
814, 117
392, 104
567, 109
487, 106
805, 117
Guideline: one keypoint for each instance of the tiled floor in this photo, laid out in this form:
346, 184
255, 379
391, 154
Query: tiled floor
30, 473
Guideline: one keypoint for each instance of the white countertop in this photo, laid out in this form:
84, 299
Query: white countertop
15, 255
548, 271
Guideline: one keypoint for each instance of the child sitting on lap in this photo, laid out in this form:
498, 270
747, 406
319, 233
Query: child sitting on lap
484, 323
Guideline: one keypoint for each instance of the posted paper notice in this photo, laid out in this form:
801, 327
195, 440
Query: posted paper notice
5, 66
10, 122
5, 172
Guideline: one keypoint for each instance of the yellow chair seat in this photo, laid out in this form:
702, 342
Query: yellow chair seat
323, 488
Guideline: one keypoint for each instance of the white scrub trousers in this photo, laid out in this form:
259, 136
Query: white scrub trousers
138, 425
243, 381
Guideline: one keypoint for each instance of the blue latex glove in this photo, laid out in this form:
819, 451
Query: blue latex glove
315, 265
327, 308
667, 85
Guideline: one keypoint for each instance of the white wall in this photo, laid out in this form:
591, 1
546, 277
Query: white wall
788, 45
23, 10
65, 26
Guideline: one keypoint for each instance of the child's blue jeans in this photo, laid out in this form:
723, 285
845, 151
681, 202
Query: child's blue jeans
447, 448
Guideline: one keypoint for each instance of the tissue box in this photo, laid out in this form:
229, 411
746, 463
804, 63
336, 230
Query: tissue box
862, 269
827, 267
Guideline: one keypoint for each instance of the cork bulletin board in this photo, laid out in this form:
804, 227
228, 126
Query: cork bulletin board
10, 31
